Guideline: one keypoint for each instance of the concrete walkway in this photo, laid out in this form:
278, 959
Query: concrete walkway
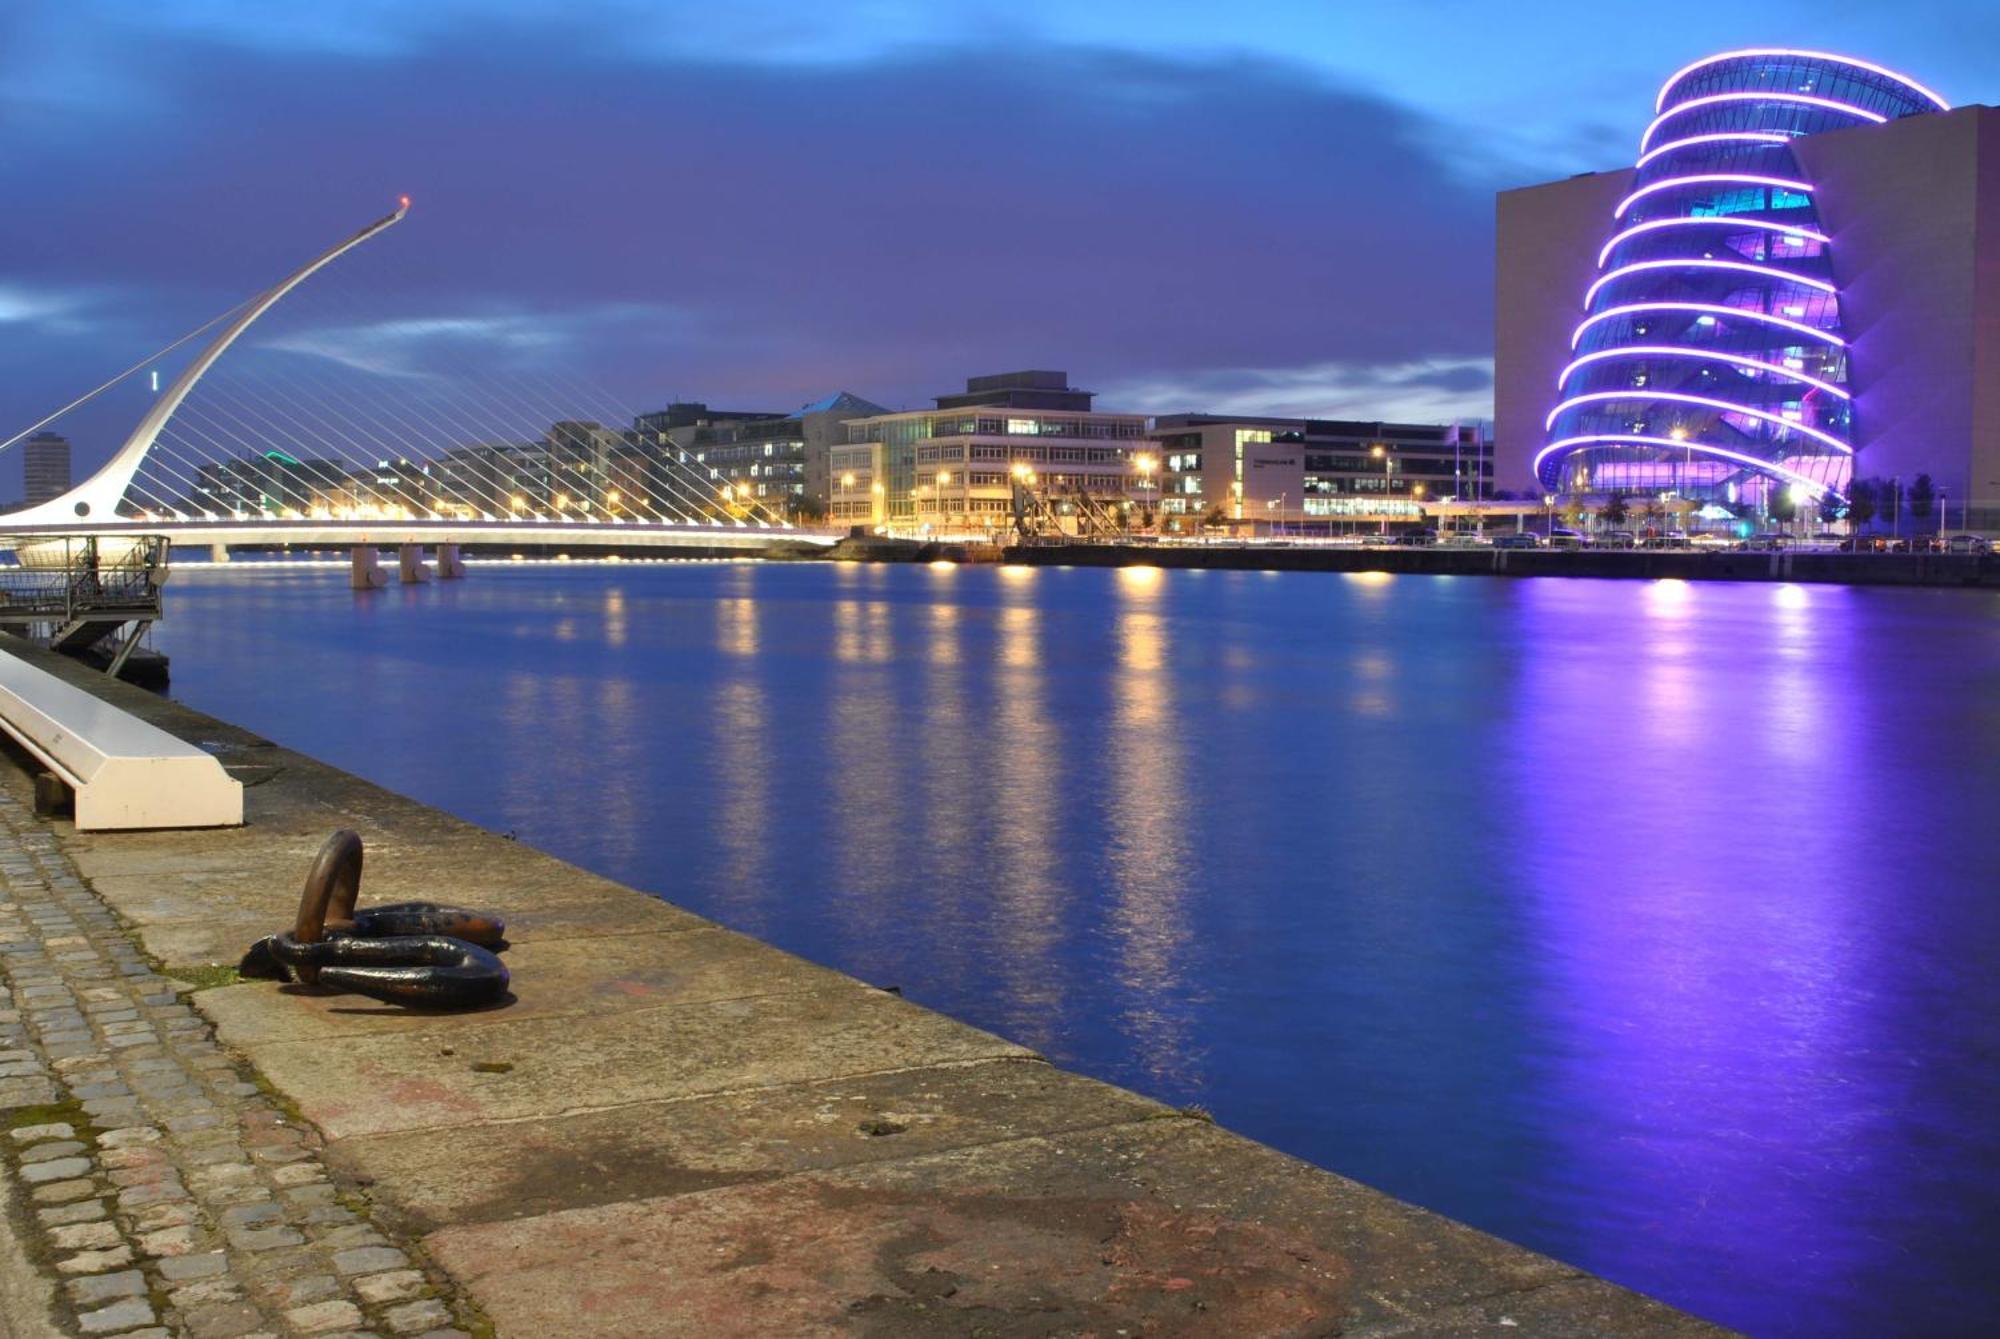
676, 1130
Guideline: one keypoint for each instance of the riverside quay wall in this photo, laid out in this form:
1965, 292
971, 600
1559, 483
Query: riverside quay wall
1857, 569
674, 1129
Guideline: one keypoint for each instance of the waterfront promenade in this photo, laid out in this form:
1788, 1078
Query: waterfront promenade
673, 1129
1852, 569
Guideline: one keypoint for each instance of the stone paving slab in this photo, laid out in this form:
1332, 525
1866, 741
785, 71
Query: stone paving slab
1166, 1227
675, 1142
162, 1188
516, 1169
405, 1081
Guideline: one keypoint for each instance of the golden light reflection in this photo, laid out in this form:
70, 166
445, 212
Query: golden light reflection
1020, 642
861, 633
944, 565
1028, 881
1016, 572
741, 811
736, 629
1368, 578
615, 629
1141, 578
944, 648
1149, 817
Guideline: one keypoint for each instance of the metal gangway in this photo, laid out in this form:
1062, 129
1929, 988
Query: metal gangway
91, 596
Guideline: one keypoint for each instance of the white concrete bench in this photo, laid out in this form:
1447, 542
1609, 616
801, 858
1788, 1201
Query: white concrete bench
126, 773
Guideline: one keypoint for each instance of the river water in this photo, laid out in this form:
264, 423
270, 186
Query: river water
1651, 925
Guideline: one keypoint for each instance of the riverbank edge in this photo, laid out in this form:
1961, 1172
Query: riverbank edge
1977, 571
681, 1129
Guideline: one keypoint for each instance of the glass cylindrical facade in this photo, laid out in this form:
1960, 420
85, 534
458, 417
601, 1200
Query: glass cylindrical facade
1710, 360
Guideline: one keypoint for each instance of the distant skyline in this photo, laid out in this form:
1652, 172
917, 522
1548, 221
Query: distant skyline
1278, 208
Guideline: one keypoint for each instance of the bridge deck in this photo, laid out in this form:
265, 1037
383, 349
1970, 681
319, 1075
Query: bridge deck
389, 534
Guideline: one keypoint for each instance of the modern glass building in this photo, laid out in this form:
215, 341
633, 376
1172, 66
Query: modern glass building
1711, 359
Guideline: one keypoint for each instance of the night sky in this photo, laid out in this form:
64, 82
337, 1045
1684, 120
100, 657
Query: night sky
1267, 207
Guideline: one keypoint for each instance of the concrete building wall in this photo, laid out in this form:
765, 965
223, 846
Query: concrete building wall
1546, 256
1903, 203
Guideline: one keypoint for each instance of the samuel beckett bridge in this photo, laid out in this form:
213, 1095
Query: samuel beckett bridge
341, 441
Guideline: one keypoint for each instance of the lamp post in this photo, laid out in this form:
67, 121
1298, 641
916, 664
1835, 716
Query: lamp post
943, 482
1381, 453
1145, 464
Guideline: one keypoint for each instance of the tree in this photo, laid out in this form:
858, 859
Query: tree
1892, 500
801, 508
1215, 518
1861, 497
1923, 497
1831, 508
1780, 505
1615, 510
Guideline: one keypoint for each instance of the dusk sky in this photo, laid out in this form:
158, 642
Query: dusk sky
1280, 207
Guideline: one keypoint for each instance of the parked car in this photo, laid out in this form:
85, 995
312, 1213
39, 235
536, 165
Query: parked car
1417, 537
1968, 544
1618, 539
1767, 541
1520, 539
1565, 539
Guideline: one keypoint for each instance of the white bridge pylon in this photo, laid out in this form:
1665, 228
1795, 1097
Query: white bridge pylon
99, 495
100, 504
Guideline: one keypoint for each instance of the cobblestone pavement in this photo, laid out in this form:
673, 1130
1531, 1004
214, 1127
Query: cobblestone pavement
166, 1191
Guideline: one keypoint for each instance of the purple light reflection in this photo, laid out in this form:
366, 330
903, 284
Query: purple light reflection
1715, 976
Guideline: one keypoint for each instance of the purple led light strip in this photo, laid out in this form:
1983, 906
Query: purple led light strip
1633, 439
1713, 221
1903, 79
1701, 263
1803, 99
1747, 136
1705, 308
1748, 178
1677, 351
1707, 402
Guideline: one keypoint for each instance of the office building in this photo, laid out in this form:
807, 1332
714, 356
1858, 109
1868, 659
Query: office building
1797, 285
954, 469
44, 467
1248, 471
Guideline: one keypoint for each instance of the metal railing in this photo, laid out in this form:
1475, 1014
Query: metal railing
60, 580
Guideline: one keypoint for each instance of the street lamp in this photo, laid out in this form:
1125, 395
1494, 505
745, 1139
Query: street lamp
1146, 464
1381, 453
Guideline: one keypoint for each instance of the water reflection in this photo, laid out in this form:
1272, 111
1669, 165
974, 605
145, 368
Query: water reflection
1025, 870
1647, 924
1149, 821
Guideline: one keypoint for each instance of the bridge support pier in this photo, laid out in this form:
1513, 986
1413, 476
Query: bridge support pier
450, 567
218, 553
368, 574
411, 562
